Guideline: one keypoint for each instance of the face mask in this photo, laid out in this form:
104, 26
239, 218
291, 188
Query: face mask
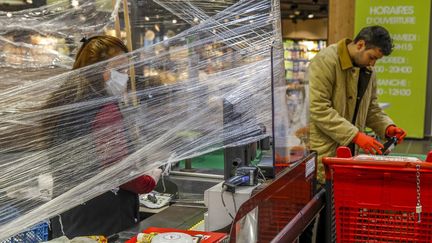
117, 84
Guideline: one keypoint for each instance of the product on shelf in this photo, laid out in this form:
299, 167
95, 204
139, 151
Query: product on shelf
297, 55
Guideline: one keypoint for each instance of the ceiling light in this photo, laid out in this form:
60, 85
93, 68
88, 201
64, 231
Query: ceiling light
310, 16
74, 3
146, 18
196, 20
9, 15
157, 16
157, 27
174, 21
29, 1
297, 12
291, 16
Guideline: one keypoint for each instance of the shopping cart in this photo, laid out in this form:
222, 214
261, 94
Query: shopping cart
379, 198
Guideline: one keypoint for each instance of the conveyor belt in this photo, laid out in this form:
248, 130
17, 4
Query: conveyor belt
180, 217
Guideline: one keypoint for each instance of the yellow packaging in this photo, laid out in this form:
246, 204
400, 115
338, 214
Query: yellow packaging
98, 238
145, 238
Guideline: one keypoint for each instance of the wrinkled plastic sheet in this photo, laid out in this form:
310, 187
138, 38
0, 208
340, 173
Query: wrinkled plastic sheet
206, 88
49, 36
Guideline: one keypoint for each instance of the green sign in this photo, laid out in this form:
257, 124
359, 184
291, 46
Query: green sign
401, 76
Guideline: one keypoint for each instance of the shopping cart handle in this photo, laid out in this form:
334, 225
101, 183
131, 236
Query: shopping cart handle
429, 157
345, 152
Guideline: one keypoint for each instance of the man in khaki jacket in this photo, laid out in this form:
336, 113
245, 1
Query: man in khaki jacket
343, 98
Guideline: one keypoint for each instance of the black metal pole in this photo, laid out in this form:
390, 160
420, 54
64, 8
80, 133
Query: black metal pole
273, 108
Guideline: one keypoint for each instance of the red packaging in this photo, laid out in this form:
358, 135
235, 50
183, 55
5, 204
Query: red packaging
199, 236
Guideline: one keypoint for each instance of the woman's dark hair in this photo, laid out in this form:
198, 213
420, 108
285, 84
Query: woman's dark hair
98, 49
376, 37
82, 86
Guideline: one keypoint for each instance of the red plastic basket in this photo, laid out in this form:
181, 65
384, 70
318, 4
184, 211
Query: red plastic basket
375, 198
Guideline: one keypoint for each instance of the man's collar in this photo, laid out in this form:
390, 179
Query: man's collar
343, 54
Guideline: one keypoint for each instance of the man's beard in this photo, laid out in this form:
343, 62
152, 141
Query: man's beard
356, 64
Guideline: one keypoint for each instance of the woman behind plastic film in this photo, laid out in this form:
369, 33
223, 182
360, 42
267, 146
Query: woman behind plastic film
117, 209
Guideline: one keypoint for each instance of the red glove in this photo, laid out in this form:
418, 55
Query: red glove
394, 131
140, 185
367, 143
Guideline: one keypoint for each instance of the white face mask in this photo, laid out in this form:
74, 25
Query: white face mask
117, 84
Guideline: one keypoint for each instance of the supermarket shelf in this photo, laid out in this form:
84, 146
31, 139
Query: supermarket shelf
297, 55
296, 60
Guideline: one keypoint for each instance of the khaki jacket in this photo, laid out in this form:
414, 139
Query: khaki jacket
333, 90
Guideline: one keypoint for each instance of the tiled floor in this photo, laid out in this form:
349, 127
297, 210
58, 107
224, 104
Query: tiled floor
414, 146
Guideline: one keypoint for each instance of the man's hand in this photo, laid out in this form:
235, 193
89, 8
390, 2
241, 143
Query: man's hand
394, 131
367, 143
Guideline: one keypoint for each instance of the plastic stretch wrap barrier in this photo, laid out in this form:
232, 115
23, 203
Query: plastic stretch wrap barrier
39, 43
49, 35
54, 157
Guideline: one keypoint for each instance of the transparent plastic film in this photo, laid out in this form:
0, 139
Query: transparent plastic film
291, 121
49, 36
69, 137
194, 12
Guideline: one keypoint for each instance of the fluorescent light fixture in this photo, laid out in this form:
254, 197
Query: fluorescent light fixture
75, 3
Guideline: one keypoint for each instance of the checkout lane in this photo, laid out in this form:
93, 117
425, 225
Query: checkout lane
184, 215
178, 217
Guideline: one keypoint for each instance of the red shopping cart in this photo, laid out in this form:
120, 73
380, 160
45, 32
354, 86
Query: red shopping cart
380, 198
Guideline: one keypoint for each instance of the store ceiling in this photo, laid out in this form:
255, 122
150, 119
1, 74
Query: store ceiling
304, 9
290, 9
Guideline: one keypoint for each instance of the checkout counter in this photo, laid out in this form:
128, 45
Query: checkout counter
286, 204
179, 217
